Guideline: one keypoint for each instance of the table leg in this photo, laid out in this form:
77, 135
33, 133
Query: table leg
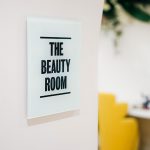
144, 127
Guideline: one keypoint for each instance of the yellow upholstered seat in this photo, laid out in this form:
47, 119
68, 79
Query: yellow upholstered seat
116, 131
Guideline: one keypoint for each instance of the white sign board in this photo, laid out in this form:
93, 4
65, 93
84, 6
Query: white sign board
52, 66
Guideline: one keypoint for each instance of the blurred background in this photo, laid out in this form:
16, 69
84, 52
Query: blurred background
124, 52
124, 74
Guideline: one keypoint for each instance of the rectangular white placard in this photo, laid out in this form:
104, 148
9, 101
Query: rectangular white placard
53, 60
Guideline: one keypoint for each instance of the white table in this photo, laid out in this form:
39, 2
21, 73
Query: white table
139, 113
143, 117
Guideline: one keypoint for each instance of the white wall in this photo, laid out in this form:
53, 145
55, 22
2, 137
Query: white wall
126, 74
78, 132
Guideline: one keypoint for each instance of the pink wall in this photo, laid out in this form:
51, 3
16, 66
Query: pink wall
78, 132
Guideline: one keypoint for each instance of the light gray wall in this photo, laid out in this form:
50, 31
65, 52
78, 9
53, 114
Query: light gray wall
78, 132
127, 73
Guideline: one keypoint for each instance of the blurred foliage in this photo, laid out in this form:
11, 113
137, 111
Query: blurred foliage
135, 8
118, 12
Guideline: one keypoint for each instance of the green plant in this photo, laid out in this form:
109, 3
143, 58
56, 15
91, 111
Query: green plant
133, 9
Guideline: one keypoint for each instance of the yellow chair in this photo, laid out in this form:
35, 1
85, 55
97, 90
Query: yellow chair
116, 132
